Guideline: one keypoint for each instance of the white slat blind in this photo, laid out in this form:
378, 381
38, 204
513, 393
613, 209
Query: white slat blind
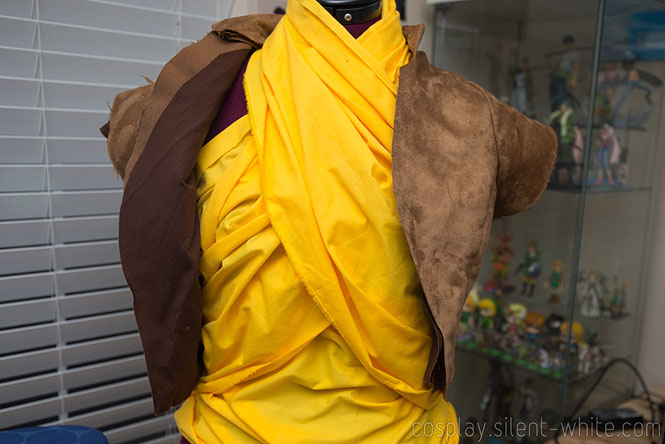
69, 348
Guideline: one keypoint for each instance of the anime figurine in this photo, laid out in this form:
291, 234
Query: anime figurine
555, 282
553, 331
608, 82
573, 333
578, 156
565, 76
591, 296
597, 356
534, 322
558, 364
608, 155
494, 290
532, 268
522, 87
583, 358
496, 337
467, 320
618, 303
545, 361
590, 355
634, 79
492, 287
502, 254
487, 311
563, 122
515, 317
512, 330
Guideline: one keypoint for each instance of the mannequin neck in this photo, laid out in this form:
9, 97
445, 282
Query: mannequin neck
352, 12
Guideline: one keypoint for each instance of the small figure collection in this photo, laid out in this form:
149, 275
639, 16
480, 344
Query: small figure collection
527, 338
496, 319
530, 267
596, 298
618, 86
515, 334
611, 162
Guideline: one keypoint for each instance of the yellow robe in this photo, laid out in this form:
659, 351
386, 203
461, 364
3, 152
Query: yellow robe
315, 330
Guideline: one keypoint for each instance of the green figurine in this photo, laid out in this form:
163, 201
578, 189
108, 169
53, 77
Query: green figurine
486, 312
555, 283
563, 121
618, 304
532, 268
467, 321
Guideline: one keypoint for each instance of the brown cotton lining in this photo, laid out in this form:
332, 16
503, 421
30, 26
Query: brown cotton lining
159, 235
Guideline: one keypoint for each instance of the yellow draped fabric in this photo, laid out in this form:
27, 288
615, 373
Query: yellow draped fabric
315, 330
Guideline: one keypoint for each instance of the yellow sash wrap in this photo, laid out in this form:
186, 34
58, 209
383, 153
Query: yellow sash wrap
315, 330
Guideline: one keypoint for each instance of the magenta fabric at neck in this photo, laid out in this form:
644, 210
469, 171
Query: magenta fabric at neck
235, 106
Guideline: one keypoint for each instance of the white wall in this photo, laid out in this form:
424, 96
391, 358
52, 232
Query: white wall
652, 344
418, 11
244, 7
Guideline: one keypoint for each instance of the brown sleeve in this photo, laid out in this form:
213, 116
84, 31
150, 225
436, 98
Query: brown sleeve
526, 152
123, 124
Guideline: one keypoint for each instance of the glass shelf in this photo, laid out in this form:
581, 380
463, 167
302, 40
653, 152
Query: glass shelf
602, 189
525, 367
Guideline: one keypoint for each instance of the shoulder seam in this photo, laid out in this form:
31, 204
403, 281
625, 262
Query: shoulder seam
493, 120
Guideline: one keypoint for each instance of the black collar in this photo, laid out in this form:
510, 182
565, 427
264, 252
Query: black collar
351, 12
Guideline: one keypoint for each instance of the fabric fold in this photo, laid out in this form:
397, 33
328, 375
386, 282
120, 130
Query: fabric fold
322, 106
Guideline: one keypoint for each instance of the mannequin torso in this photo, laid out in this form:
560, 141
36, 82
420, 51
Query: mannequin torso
349, 12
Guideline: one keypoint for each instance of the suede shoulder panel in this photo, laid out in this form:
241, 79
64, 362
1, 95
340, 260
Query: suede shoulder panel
460, 157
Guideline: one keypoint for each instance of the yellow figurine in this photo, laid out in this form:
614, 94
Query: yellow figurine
510, 341
576, 335
487, 311
467, 320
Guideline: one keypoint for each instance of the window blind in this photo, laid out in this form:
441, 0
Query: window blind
69, 347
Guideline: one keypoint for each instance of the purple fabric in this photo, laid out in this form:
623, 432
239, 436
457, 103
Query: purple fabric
358, 29
233, 107
235, 104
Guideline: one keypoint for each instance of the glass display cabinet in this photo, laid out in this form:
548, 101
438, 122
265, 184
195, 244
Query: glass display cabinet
560, 292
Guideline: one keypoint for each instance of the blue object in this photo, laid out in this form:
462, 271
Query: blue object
647, 34
53, 435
